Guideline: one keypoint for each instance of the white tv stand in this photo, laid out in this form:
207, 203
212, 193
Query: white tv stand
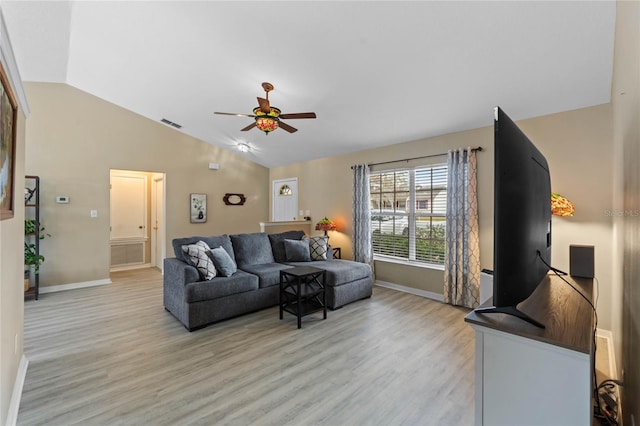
534, 376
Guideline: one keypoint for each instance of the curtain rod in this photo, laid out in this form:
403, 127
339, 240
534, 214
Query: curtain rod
416, 158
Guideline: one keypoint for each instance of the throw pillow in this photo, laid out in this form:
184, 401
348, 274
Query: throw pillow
318, 247
196, 255
251, 249
223, 262
277, 243
297, 251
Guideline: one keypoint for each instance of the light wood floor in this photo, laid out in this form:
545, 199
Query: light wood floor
111, 355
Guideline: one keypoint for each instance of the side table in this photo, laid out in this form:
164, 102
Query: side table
302, 291
337, 252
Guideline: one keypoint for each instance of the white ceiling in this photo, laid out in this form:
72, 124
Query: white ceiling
376, 73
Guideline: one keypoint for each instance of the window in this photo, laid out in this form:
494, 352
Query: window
286, 190
408, 213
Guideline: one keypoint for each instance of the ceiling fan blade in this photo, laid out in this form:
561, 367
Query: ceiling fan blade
231, 113
286, 127
249, 127
264, 105
298, 115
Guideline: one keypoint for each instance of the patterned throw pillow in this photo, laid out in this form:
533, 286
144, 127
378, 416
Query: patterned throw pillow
196, 255
318, 247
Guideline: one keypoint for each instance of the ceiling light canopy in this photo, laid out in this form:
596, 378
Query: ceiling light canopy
243, 147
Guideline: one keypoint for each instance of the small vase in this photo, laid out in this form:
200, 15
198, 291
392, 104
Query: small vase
200, 215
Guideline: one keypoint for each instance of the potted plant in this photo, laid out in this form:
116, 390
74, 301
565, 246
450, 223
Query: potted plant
31, 257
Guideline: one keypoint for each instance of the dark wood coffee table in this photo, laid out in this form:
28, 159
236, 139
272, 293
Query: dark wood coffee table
302, 291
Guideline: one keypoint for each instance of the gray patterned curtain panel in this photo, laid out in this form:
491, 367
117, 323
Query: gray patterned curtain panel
462, 247
362, 249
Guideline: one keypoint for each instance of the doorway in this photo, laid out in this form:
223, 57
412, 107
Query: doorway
137, 230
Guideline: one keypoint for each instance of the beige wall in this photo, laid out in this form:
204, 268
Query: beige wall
74, 139
626, 111
578, 146
11, 281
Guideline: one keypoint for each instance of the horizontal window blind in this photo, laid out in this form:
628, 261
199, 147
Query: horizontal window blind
408, 211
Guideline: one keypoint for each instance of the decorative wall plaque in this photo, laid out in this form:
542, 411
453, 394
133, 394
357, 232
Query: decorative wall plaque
234, 199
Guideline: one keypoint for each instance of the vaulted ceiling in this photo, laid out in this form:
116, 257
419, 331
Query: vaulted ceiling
376, 73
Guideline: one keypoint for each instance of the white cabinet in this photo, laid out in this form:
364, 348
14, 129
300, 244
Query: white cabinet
531, 376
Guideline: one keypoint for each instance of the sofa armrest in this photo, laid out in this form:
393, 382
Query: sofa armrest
178, 273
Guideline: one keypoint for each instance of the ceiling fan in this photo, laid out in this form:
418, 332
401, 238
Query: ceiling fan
268, 118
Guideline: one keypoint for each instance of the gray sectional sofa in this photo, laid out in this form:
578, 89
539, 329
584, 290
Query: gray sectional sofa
259, 257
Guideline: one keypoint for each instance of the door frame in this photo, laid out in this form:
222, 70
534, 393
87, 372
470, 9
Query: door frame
160, 236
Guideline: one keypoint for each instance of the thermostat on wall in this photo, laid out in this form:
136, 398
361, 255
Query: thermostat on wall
62, 199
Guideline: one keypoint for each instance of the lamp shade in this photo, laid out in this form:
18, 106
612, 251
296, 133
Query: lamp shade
325, 225
560, 206
266, 124
267, 121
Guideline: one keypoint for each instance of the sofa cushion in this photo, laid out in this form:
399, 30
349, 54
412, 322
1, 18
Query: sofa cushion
277, 243
215, 241
268, 273
196, 256
252, 249
318, 247
225, 266
339, 271
297, 251
239, 282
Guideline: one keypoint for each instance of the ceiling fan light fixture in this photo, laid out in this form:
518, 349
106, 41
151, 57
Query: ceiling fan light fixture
267, 117
266, 122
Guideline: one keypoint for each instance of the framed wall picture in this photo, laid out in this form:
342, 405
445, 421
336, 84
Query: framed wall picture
8, 117
198, 203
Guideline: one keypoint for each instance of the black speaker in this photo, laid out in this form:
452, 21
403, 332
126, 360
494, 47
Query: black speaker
581, 261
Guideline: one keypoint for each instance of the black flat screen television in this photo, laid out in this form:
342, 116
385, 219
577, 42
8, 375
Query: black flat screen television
522, 219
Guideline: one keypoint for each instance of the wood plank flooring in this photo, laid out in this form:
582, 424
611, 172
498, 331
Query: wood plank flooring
111, 355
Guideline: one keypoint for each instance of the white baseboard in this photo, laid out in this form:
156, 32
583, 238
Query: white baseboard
14, 405
608, 336
73, 286
411, 290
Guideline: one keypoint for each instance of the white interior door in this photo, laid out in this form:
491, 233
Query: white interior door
285, 199
128, 206
157, 222
129, 221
